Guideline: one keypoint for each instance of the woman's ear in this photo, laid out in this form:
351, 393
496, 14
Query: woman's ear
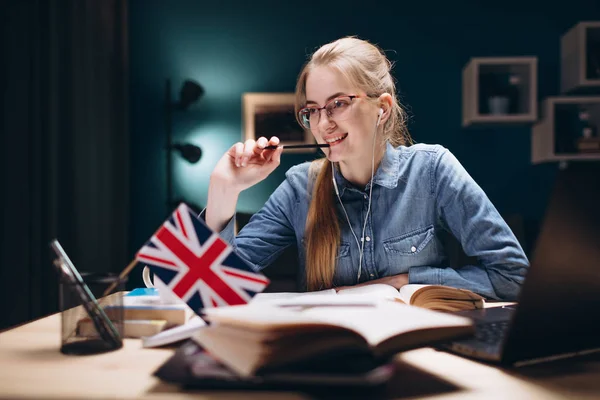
385, 103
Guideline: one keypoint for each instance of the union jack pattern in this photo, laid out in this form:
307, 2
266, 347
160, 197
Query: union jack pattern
197, 265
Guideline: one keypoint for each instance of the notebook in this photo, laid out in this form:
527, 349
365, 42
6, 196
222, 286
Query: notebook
557, 314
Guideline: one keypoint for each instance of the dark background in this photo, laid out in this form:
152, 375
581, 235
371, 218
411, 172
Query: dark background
83, 122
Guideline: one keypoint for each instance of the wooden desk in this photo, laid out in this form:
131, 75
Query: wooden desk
31, 366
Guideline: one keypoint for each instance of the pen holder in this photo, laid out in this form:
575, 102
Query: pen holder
80, 329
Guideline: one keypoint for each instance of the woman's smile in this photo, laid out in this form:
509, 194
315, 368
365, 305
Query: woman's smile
334, 140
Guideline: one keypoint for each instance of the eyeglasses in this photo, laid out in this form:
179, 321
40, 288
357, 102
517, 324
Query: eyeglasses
337, 109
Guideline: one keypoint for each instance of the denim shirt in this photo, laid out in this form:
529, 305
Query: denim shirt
418, 192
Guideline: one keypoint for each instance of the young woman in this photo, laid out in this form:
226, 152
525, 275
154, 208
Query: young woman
373, 210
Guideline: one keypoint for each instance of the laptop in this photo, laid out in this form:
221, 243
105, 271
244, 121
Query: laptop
558, 310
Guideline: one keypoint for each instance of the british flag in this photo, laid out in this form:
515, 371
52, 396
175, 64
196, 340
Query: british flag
197, 265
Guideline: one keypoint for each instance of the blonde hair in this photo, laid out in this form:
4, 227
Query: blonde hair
367, 68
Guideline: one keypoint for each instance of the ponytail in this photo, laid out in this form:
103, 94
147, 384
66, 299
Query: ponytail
322, 232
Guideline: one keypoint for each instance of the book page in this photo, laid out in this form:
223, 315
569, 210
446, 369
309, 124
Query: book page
276, 297
175, 334
385, 320
407, 291
441, 298
376, 290
375, 321
325, 299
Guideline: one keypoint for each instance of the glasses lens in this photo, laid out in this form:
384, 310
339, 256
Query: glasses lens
338, 108
305, 117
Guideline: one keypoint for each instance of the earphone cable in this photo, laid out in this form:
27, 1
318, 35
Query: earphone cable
361, 245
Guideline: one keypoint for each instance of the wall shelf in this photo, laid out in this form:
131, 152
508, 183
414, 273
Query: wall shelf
499, 90
555, 136
580, 57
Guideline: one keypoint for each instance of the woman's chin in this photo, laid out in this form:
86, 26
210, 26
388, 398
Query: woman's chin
333, 157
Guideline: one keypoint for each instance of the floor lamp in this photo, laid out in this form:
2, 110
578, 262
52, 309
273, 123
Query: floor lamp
190, 93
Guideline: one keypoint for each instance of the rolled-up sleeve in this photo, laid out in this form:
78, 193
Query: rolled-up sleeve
269, 231
466, 211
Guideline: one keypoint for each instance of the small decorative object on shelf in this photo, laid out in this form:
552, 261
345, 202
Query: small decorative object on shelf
504, 97
567, 130
588, 140
500, 90
580, 58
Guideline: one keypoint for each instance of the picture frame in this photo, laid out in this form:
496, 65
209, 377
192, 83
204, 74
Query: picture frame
272, 114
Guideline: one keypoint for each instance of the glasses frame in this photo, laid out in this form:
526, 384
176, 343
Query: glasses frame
301, 118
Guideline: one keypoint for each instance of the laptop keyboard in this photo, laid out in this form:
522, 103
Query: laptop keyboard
491, 332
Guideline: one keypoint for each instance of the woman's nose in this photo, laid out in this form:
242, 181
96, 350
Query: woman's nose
324, 120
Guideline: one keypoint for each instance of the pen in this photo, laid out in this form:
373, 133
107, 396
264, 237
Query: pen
298, 146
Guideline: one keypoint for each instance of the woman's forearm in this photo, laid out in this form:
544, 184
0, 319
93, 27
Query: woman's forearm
396, 281
221, 204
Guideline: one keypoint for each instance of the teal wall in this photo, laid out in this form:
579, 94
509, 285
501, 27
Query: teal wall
233, 47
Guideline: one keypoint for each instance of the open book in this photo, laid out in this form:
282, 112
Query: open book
307, 332
434, 297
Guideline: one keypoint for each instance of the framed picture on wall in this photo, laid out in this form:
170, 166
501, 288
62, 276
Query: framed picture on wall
272, 114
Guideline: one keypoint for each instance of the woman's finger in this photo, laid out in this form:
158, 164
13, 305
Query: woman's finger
248, 151
268, 154
274, 141
277, 155
238, 153
261, 143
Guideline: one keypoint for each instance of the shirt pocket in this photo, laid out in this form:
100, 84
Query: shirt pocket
413, 248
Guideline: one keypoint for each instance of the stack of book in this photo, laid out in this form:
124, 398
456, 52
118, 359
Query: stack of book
588, 144
143, 313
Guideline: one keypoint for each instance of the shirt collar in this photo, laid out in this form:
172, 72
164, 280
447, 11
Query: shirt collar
386, 174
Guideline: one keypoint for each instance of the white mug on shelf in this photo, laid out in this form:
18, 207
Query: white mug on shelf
166, 295
498, 105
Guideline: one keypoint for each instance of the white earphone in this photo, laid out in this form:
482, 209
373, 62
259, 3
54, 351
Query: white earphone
379, 118
360, 244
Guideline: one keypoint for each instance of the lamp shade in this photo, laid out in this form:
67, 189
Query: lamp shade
190, 92
189, 152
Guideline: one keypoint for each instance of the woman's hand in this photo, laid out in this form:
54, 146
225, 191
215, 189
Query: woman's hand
396, 281
246, 164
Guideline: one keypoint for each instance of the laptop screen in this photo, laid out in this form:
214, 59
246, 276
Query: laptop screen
560, 298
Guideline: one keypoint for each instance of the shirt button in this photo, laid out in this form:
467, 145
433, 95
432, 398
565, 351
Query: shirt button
366, 196
413, 249
368, 239
371, 275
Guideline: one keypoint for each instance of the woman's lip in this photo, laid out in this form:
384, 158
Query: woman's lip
345, 135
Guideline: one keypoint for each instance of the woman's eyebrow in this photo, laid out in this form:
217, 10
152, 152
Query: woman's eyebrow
333, 96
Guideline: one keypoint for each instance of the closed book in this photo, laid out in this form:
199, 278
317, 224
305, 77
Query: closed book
174, 315
146, 305
260, 338
131, 328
